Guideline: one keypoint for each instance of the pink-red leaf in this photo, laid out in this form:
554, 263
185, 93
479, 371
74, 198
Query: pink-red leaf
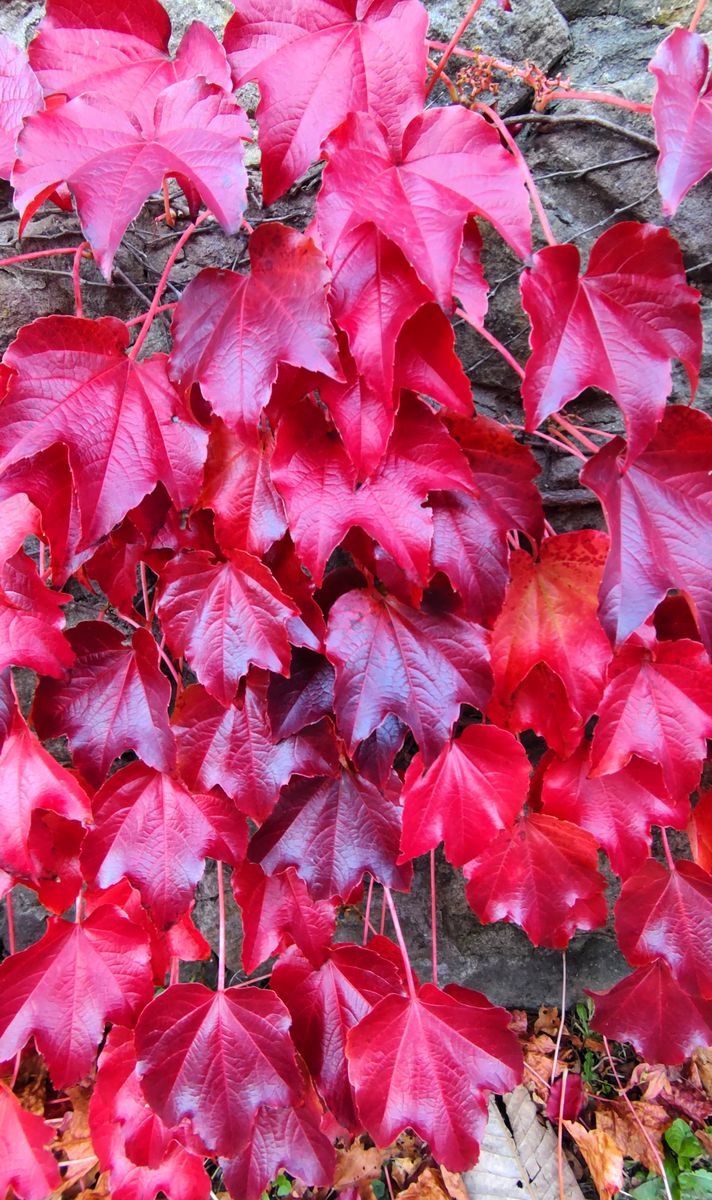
325, 1002
617, 809
332, 830
476, 786
419, 665
324, 499
31, 781
451, 164
543, 875
305, 697
668, 915
27, 1169
659, 514
277, 911
20, 95
31, 620
111, 165
682, 112
548, 625
651, 1010
426, 1062
64, 367
113, 699
249, 514
225, 617
215, 1057
617, 327
65, 988
316, 65
658, 705
233, 748
152, 830
232, 331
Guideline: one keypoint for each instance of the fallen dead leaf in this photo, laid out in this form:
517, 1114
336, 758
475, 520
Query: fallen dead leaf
358, 1165
402, 1168
73, 1140
603, 1158
702, 1066
519, 1023
547, 1021
617, 1120
454, 1184
428, 1186
654, 1081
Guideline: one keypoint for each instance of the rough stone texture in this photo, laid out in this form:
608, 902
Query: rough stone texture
599, 44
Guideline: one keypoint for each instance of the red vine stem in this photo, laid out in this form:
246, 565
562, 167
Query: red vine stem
144, 592
523, 168
575, 432
493, 341
175, 970
597, 97
164, 657
76, 280
161, 309
401, 942
452, 44
627, 1100
221, 928
367, 914
19, 258
559, 1035
701, 6
561, 445
160, 288
666, 847
454, 94
433, 918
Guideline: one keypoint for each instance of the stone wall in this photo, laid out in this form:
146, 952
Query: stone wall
592, 164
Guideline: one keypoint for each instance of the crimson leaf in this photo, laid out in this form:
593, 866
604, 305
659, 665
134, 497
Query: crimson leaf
651, 1010
277, 911
682, 112
27, 1169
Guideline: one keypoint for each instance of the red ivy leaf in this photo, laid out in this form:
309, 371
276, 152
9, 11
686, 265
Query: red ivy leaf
31, 782
46, 479
659, 513
616, 328
65, 988
66, 366
277, 912
407, 1054
282, 1138
651, 1010
658, 705
700, 831
452, 164
249, 514
20, 95
325, 1002
332, 830
142, 1156
234, 749
324, 500
321, 64
302, 699
418, 665
682, 112
476, 786
542, 875
111, 165
121, 53
225, 617
27, 1169
113, 699
668, 915
31, 620
215, 1057
232, 331
549, 621
150, 829
617, 809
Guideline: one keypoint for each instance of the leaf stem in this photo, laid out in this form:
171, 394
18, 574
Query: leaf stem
521, 162
161, 309
559, 1035
401, 942
221, 928
493, 341
76, 279
433, 918
561, 445
597, 98
560, 1134
701, 6
19, 258
175, 970
575, 432
367, 914
454, 94
626, 1098
666, 847
472, 10
161, 285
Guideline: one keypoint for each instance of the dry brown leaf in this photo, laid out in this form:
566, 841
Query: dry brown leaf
702, 1066
73, 1140
358, 1165
603, 1158
402, 1168
519, 1023
617, 1120
101, 1190
454, 1184
428, 1186
547, 1021
652, 1080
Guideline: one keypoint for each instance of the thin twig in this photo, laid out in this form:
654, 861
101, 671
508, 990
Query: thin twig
579, 172
627, 1100
583, 119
